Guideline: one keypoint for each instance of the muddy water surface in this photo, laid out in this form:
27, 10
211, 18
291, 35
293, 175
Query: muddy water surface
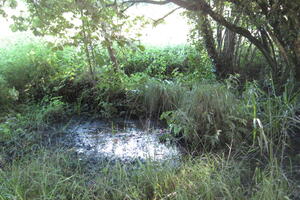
122, 140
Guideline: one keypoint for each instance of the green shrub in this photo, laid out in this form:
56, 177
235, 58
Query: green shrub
25, 132
208, 115
36, 70
7, 95
167, 62
35, 117
211, 115
26, 66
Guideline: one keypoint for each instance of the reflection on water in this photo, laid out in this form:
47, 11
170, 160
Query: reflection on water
126, 141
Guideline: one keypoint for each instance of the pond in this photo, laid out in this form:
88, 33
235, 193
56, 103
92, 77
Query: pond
122, 140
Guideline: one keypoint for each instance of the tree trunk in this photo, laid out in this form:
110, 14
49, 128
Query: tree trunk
109, 46
201, 5
86, 42
112, 56
209, 41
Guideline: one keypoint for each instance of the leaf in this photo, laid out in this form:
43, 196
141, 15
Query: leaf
141, 47
100, 61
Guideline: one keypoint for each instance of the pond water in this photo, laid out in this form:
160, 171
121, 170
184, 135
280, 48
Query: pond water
122, 140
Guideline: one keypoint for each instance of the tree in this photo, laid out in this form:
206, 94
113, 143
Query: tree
277, 23
6, 3
221, 44
83, 23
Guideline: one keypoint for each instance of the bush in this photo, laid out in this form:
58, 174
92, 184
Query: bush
166, 62
35, 117
26, 66
7, 95
23, 133
35, 69
209, 115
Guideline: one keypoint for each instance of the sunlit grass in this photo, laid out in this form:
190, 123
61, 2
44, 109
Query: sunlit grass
48, 175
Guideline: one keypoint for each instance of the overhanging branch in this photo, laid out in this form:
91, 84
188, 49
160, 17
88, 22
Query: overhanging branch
147, 1
165, 16
202, 6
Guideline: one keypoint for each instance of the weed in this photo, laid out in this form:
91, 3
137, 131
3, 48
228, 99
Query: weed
48, 175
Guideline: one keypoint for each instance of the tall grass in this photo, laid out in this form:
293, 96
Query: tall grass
273, 116
214, 115
209, 114
48, 175
160, 96
205, 115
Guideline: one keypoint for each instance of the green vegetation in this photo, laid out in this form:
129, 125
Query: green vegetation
238, 125
46, 175
167, 62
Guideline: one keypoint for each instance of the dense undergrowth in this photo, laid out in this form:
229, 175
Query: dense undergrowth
48, 175
247, 127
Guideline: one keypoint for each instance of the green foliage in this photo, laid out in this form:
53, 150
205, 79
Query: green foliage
33, 69
211, 115
4, 4
85, 25
36, 70
36, 116
160, 96
110, 91
7, 95
22, 133
208, 115
27, 67
48, 175
12, 131
203, 113
270, 183
273, 115
171, 83
7, 129
167, 62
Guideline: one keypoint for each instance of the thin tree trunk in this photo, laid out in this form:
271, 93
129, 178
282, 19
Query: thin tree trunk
202, 6
86, 48
112, 56
110, 49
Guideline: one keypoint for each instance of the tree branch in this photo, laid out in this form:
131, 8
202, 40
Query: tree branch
192, 5
165, 16
201, 5
124, 10
147, 1
205, 8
